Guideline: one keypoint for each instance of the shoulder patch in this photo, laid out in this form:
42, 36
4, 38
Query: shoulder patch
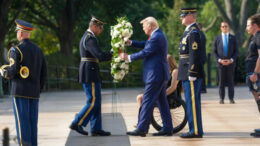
194, 46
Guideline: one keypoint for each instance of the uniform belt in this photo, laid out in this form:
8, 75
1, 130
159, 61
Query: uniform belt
184, 56
86, 59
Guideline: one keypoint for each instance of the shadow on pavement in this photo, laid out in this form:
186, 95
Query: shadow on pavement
111, 122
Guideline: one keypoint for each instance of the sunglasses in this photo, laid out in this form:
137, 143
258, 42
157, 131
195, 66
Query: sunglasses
224, 26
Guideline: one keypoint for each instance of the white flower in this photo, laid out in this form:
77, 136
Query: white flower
126, 33
124, 66
128, 25
126, 39
114, 66
117, 59
117, 45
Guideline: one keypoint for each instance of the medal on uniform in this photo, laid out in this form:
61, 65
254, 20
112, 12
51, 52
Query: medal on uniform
184, 41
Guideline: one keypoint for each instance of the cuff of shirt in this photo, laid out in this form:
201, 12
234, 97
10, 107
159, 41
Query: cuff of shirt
232, 60
129, 58
219, 60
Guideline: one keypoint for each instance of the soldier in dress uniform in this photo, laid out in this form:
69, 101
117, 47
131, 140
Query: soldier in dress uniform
91, 54
191, 71
27, 72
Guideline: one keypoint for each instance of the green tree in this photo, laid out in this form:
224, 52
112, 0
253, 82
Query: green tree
10, 10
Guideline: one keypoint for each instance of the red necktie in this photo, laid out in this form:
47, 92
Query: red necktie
149, 37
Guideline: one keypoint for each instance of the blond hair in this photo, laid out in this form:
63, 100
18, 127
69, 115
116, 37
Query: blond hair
150, 20
172, 62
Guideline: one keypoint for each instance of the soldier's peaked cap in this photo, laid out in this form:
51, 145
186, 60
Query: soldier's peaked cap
186, 11
23, 25
97, 21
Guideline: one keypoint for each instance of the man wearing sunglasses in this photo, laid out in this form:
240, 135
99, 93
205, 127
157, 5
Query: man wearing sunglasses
225, 51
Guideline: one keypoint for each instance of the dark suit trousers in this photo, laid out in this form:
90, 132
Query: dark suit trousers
155, 92
226, 78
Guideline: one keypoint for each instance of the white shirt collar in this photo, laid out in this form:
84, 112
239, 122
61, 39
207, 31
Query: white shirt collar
224, 34
154, 30
187, 28
91, 32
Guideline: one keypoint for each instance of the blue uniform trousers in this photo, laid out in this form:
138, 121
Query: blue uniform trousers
193, 104
92, 110
26, 120
155, 92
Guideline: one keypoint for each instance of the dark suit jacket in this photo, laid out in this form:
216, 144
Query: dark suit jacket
89, 48
218, 50
154, 53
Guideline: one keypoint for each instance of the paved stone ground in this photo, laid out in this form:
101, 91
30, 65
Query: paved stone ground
223, 124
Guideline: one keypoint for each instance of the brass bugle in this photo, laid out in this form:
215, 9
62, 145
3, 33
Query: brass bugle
24, 72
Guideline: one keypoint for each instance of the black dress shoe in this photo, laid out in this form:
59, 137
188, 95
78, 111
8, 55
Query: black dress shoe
79, 129
101, 133
136, 133
231, 101
257, 131
190, 135
162, 133
221, 101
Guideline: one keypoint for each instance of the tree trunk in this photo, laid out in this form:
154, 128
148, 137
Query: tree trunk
4, 7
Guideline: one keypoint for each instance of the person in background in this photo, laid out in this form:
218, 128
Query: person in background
253, 61
225, 52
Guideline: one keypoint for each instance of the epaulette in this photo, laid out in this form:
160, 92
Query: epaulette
90, 35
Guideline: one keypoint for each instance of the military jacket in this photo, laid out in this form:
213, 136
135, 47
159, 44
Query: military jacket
91, 55
28, 55
190, 54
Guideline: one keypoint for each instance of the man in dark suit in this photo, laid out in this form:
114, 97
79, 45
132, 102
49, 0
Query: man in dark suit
191, 71
225, 51
89, 76
27, 72
155, 75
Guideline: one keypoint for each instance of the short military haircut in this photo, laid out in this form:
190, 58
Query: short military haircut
150, 20
255, 19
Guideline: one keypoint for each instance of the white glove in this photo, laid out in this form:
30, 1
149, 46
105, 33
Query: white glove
192, 78
111, 51
1, 72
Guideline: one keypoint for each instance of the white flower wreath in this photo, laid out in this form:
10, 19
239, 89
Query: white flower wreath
120, 33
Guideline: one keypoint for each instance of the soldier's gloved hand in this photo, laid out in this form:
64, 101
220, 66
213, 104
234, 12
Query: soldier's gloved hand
111, 51
192, 78
1, 72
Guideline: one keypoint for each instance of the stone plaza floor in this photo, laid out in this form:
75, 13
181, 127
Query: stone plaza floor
224, 124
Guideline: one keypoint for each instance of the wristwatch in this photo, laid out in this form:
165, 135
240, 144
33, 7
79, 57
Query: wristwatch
255, 73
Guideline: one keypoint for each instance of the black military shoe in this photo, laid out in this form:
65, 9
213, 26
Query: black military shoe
221, 101
79, 129
136, 133
190, 135
231, 101
100, 133
162, 133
